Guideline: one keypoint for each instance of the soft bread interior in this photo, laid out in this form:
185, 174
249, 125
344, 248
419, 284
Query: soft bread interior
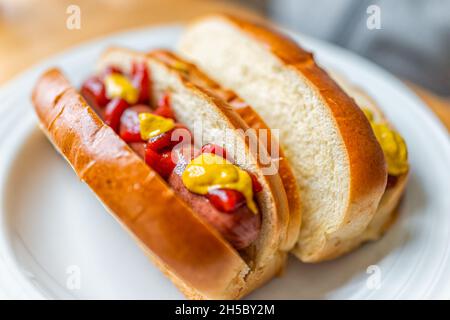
192, 107
308, 134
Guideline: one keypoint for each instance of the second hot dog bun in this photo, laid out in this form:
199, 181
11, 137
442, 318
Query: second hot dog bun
338, 163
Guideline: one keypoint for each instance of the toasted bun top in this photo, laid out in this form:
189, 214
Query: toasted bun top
187, 248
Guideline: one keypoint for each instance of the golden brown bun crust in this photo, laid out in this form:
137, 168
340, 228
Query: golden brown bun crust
188, 250
368, 173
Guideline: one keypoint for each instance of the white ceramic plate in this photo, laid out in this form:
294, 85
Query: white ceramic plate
56, 240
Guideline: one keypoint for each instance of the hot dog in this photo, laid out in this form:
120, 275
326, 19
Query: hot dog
240, 226
139, 87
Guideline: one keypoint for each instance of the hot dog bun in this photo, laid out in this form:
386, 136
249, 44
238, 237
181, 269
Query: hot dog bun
338, 163
190, 252
192, 103
196, 258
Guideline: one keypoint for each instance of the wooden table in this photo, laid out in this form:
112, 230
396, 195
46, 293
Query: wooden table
30, 30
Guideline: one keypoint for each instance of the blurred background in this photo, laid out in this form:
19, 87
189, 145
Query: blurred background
410, 38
